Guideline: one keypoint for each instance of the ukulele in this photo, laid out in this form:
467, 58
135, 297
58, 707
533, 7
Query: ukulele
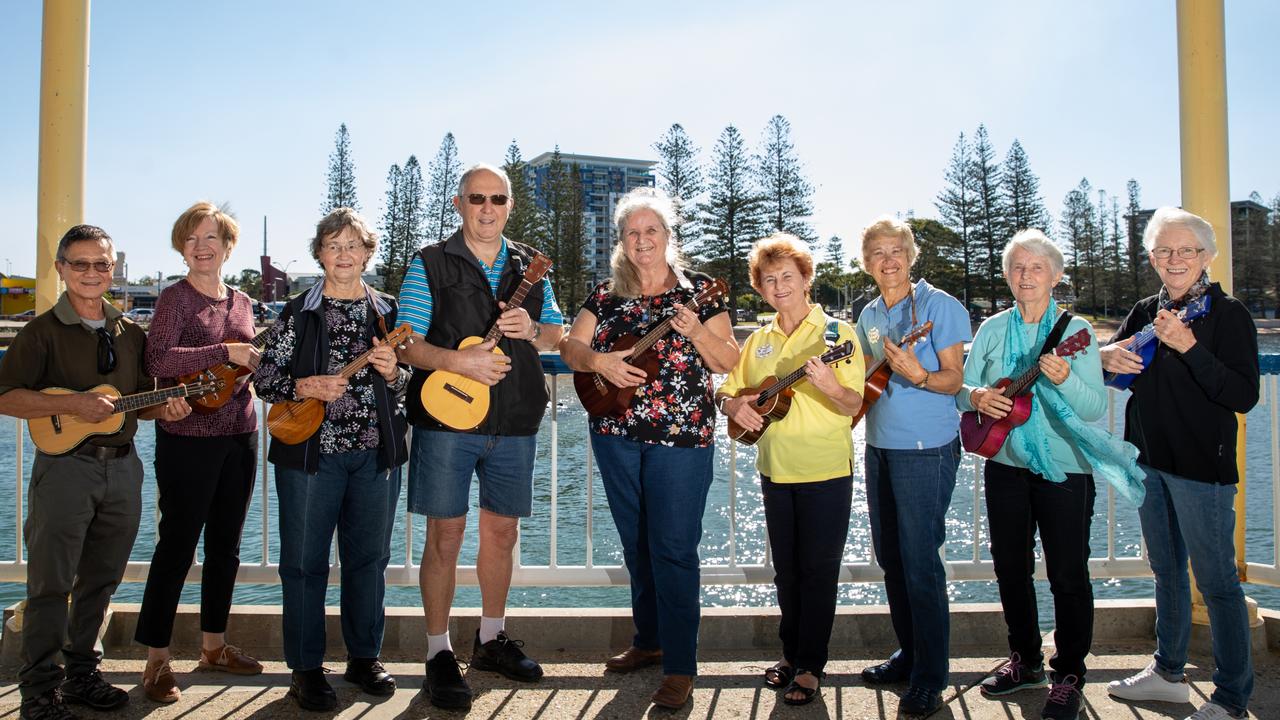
985, 436
229, 373
60, 434
1144, 342
293, 421
602, 398
775, 393
879, 373
458, 401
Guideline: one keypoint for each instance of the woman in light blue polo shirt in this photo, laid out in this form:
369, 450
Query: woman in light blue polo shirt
913, 450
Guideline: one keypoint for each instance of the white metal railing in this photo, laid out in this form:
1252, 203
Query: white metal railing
971, 566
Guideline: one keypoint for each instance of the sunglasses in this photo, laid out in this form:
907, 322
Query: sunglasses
102, 266
106, 352
479, 198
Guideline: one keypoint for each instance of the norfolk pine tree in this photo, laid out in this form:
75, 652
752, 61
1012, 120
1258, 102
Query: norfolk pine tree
681, 178
443, 173
390, 248
342, 175
409, 228
988, 220
787, 195
732, 216
523, 224
956, 204
1024, 207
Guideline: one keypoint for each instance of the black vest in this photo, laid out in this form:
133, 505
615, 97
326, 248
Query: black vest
462, 306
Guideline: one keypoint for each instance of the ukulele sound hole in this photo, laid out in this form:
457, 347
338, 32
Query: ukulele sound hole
458, 393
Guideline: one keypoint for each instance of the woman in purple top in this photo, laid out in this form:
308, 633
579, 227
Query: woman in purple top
204, 463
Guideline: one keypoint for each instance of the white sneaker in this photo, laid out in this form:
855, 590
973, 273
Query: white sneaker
1148, 685
1211, 711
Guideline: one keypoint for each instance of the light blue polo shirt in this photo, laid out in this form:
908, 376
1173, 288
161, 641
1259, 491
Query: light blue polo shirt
906, 417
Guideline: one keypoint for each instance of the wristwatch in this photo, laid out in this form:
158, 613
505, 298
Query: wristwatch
924, 381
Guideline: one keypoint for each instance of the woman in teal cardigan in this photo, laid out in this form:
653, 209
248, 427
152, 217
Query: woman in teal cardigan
1042, 478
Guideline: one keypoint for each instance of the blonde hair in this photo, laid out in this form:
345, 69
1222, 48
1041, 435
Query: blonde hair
886, 226
189, 220
624, 279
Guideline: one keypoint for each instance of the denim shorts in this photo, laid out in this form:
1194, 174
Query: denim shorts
441, 465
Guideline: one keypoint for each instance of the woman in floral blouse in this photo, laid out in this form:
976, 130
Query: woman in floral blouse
346, 476
656, 459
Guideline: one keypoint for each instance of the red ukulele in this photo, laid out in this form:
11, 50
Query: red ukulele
601, 397
775, 393
984, 436
879, 373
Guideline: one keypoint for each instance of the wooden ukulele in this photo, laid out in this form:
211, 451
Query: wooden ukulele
229, 373
602, 398
879, 373
775, 393
458, 401
293, 421
60, 434
984, 436
1144, 342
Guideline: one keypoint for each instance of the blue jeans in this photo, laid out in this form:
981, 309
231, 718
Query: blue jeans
441, 465
657, 495
908, 493
351, 495
1184, 518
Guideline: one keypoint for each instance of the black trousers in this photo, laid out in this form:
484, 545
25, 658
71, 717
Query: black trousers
1018, 503
808, 526
205, 484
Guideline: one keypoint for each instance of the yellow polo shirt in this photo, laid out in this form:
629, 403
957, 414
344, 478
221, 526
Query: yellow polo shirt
813, 442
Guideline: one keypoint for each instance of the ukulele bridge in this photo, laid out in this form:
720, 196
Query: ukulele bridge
449, 388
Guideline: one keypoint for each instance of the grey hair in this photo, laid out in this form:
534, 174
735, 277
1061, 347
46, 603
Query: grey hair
1177, 217
887, 226
83, 233
1037, 243
485, 167
625, 279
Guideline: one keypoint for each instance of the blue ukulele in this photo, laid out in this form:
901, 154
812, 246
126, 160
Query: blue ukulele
1144, 341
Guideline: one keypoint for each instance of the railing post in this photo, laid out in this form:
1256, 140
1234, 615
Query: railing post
555, 467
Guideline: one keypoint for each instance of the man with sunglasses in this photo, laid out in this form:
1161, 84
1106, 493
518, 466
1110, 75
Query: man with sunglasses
83, 506
453, 290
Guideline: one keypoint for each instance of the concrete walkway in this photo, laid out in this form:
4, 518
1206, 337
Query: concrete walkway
575, 687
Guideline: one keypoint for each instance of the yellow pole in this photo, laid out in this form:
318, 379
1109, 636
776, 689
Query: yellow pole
64, 95
1206, 190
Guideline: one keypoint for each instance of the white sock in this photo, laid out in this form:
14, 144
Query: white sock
437, 643
490, 627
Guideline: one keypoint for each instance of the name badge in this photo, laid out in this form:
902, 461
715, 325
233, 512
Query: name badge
764, 351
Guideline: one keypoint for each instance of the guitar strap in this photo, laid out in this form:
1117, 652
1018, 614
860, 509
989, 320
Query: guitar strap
1055, 335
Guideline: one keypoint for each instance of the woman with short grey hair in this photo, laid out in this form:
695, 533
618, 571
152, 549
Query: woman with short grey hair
1198, 371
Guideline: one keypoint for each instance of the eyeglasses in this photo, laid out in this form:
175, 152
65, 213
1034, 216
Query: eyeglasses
102, 266
1186, 252
479, 198
338, 248
106, 352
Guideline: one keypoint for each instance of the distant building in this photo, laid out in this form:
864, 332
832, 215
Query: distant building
1241, 212
604, 181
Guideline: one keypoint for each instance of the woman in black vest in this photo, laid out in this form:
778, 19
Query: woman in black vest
656, 459
345, 476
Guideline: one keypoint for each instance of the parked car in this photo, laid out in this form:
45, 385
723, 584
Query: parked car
141, 314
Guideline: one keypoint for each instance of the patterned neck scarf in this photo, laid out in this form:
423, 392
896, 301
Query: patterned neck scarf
1200, 287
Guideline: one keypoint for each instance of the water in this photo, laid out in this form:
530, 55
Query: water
750, 541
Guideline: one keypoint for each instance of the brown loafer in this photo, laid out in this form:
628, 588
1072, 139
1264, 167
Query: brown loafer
158, 682
229, 659
674, 691
633, 658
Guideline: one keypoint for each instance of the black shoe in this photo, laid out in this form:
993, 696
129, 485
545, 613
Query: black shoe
312, 691
371, 676
445, 684
90, 689
920, 701
1013, 676
503, 655
1063, 702
886, 673
48, 706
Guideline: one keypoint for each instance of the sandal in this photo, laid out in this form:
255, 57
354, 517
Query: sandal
807, 694
779, 676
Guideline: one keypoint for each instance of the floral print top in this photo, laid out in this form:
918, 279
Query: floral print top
351, 421
676, 408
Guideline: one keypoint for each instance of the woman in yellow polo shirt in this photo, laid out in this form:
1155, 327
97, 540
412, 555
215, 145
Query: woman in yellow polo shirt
804, 459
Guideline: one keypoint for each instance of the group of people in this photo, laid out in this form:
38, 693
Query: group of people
656, 458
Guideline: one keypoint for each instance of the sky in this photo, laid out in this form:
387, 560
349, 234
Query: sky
238, 102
